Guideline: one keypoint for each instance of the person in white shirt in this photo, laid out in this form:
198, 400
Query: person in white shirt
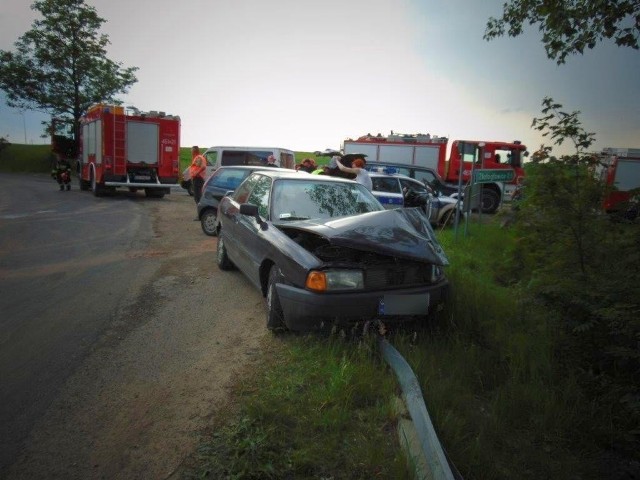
357, 168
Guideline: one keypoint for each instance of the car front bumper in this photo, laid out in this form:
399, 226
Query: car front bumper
306, 310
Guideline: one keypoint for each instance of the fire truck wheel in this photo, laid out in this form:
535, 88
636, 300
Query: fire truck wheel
96, 188
490, 201
221, 256
84, 185
208, 221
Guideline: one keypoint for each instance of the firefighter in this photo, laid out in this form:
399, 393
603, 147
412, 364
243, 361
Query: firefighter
197, 171
61, 173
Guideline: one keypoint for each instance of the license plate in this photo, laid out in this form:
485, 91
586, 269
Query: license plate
142, 177
404, 304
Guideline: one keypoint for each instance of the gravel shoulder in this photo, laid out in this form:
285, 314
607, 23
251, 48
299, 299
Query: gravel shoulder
163, 371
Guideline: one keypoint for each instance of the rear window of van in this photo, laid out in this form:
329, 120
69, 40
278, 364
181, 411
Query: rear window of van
244, 157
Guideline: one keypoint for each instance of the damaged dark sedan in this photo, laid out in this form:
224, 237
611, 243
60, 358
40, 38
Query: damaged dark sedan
325, 253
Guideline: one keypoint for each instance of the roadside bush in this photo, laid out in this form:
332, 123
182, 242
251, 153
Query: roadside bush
585, 267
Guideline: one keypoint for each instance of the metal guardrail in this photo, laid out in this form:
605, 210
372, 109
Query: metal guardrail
434, 456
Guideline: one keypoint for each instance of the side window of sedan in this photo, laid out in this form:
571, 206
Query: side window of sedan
413, 186
428, 177
260, 195
242, 193
386, 185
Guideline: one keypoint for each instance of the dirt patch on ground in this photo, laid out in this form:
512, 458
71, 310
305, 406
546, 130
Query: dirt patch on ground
162, 372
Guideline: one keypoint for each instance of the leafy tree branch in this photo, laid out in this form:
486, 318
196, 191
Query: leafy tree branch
60, 66
570, 27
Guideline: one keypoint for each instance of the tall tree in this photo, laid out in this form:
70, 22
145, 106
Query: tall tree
570, 26
60, 66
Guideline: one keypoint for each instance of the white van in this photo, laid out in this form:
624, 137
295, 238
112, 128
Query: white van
225, 156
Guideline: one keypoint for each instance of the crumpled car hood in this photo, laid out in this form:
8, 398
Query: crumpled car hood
402, 232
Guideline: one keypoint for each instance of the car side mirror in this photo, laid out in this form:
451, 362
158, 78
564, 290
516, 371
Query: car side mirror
251, 210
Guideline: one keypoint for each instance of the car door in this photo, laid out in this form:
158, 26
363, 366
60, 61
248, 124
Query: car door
387, 190
418, 195
229, 217
251, 242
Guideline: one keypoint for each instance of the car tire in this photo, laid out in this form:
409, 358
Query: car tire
84, 185
448, 219
275, 315
209, 222
222, 259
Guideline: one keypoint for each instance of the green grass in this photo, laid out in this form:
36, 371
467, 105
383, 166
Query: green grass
498, 396
26, 158
321, 408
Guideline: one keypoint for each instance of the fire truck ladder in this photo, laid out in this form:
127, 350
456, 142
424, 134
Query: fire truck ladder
119, 142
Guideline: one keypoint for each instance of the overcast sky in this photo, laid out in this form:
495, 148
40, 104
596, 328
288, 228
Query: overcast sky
306, 74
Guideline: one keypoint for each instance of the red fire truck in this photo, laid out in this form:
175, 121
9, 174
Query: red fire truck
620, 170
424, 150
123, 147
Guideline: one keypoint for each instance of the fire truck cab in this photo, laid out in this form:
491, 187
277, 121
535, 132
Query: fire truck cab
123, 147
430, 151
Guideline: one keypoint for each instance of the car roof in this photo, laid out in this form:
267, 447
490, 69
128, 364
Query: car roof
241, 148
243, 167
287, 173
399, 165
391, 175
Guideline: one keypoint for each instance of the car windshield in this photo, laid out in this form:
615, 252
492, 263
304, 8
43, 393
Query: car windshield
302, 199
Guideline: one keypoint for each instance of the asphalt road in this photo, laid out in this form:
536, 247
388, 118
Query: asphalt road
66, 269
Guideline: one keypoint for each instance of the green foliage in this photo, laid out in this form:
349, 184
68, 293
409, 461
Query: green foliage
60, 65
585, 268
505, 383
570, 27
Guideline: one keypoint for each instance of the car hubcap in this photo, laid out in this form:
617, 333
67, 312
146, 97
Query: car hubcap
209, 223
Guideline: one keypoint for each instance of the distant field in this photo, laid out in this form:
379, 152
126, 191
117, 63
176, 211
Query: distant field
26, 158
38, 158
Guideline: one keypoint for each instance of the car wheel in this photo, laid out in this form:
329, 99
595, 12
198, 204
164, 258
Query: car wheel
275, 316
208, 221
448, 218
222, 258
490, 201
